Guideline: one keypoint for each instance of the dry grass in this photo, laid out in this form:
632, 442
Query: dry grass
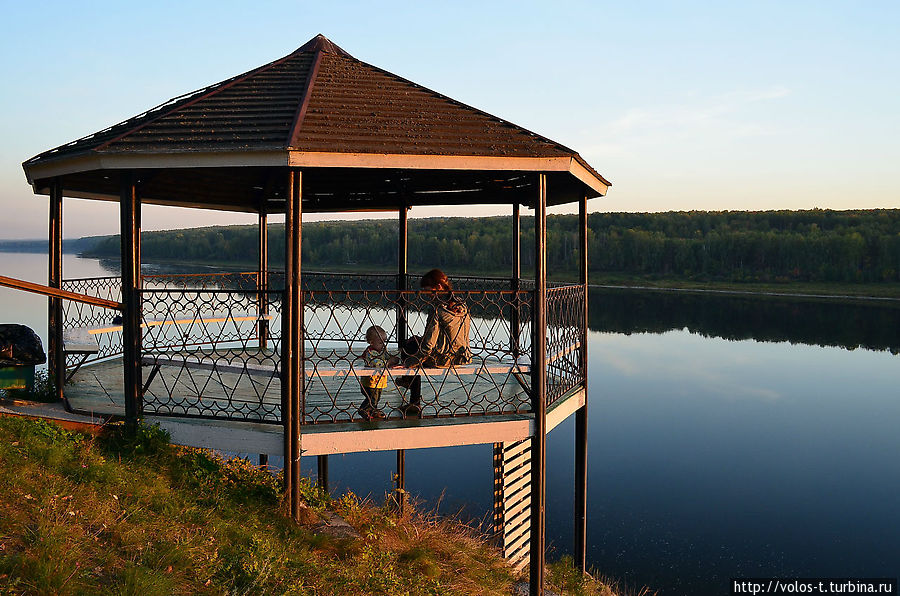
130, 514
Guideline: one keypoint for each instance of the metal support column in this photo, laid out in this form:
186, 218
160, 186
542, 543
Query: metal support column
515, 324
402, 331
292, 341
56, 360
400, 481
539, 389
402, 251
322, 474
262, 287
130, 234
262, 280
581, 415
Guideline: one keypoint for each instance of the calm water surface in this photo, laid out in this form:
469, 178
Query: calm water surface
728, 437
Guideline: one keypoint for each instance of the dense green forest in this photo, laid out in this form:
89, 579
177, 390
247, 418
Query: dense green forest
816, 245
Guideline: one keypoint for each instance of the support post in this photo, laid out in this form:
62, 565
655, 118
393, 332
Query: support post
581, 415
292, 341
539, 389
262, 286
262, 280
400, 481
130, 234
57, 360
322, 474
402, 252
515, 324
402, 332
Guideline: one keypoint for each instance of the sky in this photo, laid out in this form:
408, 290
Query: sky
681, 105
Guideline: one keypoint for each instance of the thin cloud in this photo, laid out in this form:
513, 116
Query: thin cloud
715, 112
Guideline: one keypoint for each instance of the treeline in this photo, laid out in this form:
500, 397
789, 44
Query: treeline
816, 245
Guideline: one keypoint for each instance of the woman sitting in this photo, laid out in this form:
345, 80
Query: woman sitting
446, 338
445, 341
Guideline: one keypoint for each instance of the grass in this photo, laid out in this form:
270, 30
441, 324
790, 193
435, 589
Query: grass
125, 512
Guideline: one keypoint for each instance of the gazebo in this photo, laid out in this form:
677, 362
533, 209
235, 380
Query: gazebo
320, 131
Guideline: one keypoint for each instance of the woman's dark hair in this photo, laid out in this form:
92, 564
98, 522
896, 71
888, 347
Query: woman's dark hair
436, 279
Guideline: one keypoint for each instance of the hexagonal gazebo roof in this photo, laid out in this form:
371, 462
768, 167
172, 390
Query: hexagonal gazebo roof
364, 138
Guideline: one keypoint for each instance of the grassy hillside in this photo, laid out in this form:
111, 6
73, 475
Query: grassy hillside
123, 514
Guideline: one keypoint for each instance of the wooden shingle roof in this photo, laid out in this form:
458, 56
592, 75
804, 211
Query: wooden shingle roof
320, 109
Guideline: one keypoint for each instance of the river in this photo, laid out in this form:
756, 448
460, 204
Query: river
729, 437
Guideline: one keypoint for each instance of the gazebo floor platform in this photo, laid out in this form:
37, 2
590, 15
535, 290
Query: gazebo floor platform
97, 389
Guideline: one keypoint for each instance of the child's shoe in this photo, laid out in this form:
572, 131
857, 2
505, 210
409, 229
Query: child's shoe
370, 413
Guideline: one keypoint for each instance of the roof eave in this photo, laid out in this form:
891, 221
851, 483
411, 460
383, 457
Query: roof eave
595, 184
124, 161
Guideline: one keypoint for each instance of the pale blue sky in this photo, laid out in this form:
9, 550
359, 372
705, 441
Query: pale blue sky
682, 105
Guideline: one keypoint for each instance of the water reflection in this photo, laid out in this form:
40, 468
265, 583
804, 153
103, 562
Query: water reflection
698, 475
848, 325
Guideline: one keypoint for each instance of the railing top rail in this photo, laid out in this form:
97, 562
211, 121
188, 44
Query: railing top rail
28, 286
212, 274
95, 278
247, 292
415, 292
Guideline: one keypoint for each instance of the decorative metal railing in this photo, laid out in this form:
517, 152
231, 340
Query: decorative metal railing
80, 320
565, 326
335, 322
203, 354
201, 281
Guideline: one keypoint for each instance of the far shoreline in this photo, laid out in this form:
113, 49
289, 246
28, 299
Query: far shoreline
878, 293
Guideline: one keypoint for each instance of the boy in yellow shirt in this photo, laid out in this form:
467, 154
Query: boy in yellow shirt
376, 356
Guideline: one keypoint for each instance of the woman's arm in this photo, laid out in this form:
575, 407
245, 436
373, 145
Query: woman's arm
430, 337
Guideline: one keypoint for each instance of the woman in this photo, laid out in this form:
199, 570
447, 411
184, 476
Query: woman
446, 338
445, 341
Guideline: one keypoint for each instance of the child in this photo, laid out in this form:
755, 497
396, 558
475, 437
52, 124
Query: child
377, 356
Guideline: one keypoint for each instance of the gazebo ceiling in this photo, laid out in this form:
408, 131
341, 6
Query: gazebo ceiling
363, 137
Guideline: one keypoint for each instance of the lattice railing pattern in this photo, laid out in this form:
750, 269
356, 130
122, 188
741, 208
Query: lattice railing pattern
201, 281
335, 322
565, 325
202, 355
80, 319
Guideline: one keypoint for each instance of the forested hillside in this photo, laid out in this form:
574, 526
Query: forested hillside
816, 245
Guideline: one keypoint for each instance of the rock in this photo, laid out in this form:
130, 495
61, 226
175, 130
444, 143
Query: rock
20, 346
523, 589
335, 526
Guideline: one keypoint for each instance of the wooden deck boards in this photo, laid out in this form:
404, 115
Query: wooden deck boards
98, 389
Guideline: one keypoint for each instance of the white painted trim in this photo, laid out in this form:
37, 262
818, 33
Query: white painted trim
415, 437
428, 162
124, 161
588, 178
311, 159
249, 437
563, 409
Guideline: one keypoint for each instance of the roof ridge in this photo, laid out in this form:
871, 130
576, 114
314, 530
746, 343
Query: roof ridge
320, 43
195, 97
294, 131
